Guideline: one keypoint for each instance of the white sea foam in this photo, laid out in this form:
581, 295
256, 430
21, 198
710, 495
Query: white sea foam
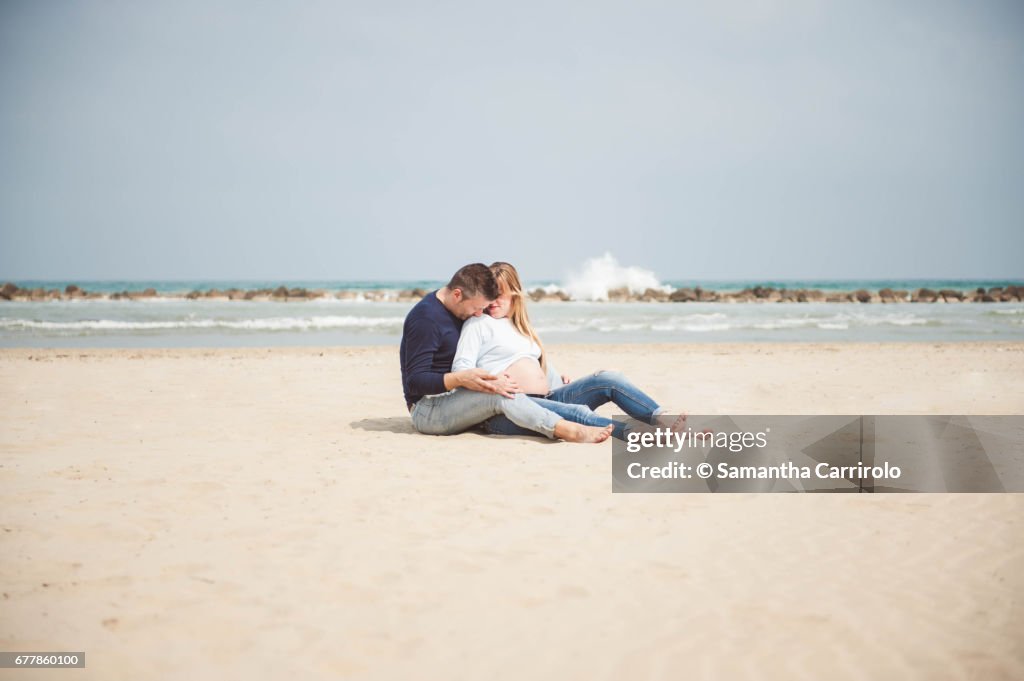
266, 324
705, 327
842, 321
600, 275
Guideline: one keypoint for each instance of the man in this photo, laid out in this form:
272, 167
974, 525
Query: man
444, 402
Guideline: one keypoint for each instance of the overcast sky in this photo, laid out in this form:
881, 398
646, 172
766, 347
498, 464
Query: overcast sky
355, 140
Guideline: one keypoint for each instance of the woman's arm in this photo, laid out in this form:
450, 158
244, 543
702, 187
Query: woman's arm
554, 379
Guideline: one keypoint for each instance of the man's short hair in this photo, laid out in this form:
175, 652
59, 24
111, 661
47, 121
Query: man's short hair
474, 280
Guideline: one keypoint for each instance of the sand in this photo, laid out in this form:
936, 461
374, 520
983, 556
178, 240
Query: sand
243, 513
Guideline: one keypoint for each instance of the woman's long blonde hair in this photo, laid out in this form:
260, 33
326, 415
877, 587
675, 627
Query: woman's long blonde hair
508, 277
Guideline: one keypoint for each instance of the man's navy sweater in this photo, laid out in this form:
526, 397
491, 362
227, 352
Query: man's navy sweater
429, 339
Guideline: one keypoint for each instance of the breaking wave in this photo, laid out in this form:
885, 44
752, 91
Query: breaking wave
600, 275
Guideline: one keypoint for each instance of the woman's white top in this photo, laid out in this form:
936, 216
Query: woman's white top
494, 345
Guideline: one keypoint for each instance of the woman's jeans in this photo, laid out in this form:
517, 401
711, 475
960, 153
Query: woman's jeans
577, 400
461, 409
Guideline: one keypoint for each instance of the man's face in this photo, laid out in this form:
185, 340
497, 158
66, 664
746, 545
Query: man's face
468, 307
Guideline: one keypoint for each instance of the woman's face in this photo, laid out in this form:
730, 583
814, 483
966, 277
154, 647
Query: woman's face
500, 308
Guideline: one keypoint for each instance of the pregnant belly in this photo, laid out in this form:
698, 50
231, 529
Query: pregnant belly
528, 374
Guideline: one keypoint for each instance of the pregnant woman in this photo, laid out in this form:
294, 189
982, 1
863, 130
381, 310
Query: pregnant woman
502, 341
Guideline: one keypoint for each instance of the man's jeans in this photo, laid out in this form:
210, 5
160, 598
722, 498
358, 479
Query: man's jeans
577, 400
460, 409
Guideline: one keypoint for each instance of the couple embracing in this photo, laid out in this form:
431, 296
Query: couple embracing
470, 357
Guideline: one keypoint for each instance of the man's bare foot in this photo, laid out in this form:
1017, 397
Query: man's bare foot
577, 432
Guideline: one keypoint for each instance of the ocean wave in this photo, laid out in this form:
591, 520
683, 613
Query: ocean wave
719, 321
266, 324
844, 321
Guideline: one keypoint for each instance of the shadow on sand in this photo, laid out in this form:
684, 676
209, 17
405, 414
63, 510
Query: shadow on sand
403, 426
392, 424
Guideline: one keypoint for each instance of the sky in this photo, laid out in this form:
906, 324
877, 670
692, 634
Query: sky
400, 140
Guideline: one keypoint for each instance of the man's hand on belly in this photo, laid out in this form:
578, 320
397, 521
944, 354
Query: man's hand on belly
482, 381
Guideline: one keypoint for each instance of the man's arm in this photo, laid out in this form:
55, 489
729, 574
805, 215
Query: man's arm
479, 380
422, 340
554, 379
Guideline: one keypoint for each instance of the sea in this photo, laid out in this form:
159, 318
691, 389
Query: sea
174, 321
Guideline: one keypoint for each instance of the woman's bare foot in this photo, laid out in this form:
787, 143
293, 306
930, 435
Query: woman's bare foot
677, 424
577, 432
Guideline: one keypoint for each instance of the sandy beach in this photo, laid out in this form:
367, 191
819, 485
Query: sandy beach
253, 513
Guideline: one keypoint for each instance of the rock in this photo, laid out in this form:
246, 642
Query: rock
8, 291
706, 296
193, 295
862, 296
683, 295
405, 295
654, 295
619, 294
986, 298
925, 295
886, 296
280, 292
949, 295
71, 289
811, 295
893, 296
